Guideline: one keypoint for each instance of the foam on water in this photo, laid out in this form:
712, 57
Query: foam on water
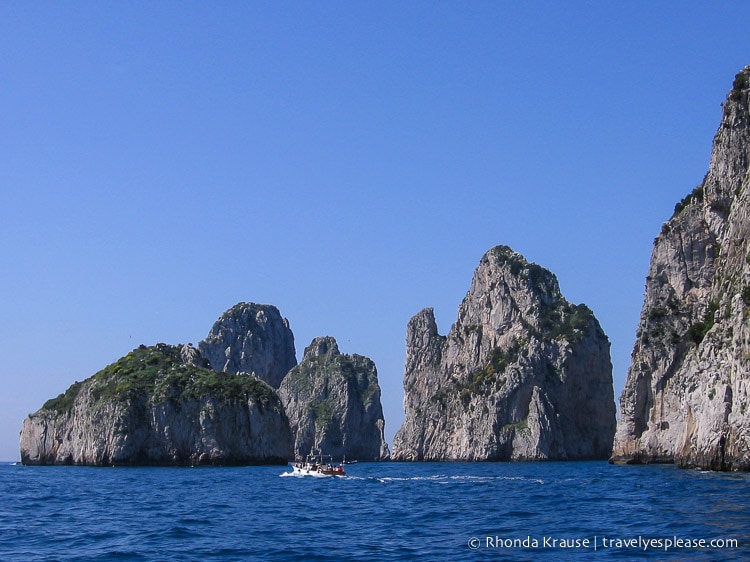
383, 511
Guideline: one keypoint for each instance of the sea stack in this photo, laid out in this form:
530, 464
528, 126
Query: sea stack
686, 395
251, 338
522, 375
333, 404
160, 405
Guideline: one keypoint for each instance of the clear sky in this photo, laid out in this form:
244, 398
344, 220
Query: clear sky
349, 163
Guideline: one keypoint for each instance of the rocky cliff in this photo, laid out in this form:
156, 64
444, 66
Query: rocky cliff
522, 375
159, 406
333, 403
686, 395
251, 338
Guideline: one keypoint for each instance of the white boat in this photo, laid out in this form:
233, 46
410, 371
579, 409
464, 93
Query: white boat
317, 464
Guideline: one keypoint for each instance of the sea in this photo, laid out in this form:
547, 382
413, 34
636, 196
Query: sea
379, 511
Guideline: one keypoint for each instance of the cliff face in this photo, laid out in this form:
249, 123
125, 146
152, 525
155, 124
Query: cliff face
522, 375
251, 338
686, 395
159, 406
333, 403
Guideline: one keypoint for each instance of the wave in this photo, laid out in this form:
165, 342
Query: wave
397, 512
445, 479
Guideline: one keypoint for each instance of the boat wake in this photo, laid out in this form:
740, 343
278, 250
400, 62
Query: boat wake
445, 479
434, 478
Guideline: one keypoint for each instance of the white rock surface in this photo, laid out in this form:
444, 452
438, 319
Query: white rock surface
180, 415
686, 395
333, 404
251, 338
522, 374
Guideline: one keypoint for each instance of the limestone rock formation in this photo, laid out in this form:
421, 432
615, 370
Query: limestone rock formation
333, 403
522, 375
686, 398
251, 338
160, 406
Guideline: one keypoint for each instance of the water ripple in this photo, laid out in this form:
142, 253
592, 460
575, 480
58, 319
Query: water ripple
383, 511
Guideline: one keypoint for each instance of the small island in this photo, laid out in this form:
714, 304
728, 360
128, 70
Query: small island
160, 405
218, 403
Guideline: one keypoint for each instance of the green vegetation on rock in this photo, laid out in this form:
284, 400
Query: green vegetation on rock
517, 426
558, 320
746, 295
157, 374
741, 83
64, 402
486, 379
537, 276
566, 322
322, 413
698, 330
696, 196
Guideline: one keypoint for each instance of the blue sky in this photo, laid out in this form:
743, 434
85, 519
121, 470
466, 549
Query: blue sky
349, 163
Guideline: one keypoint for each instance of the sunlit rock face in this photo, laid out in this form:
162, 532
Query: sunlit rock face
251, 338
333, 404
160, 405
686, 395
522, 375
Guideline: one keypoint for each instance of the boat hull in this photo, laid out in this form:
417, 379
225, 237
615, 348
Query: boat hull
318, 471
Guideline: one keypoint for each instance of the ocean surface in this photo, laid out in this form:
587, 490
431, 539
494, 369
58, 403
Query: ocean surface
381, 511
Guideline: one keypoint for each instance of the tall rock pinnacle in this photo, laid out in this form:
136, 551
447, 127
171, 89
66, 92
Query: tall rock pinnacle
251, 338
333, 403
686, 395
522, 375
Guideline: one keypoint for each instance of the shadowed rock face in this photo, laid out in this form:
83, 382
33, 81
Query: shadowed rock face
522, 374
160, 406
333, 403
686, 395
251, 338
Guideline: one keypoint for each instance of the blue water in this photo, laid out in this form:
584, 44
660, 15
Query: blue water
382, 511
